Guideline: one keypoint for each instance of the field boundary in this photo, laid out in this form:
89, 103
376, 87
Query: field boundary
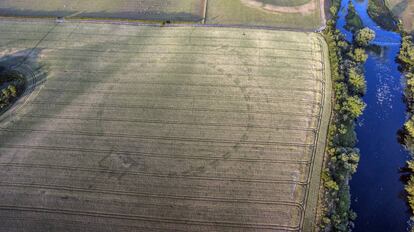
311, 201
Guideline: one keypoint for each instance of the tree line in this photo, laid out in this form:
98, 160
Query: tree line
406, 60
349, 85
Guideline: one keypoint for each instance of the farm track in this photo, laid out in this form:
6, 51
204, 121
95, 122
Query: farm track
238, 128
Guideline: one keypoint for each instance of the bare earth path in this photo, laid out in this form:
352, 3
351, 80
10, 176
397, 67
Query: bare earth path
158, 129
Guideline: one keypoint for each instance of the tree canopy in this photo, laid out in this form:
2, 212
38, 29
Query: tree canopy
364, 36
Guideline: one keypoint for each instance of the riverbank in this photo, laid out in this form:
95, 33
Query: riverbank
342, 156
406, 59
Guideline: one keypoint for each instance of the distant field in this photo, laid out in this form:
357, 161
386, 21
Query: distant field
163, 129
404, 9
180, 10
299, 14
254, 12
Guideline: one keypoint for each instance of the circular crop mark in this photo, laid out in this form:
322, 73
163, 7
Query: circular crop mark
283, 6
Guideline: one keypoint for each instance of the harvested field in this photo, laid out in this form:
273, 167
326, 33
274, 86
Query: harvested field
162, 129
177, 10
298, 14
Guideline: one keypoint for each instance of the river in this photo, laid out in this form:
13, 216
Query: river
377, 190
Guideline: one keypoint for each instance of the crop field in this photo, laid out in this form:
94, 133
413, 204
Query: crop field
180, 10
298, 14
305, 14
137, 128
404, 9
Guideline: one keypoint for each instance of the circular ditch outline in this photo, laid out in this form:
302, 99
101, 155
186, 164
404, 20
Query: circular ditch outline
306, 8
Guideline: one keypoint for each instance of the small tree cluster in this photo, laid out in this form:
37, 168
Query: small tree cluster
7, 95
353, 21
11, 86
364, 36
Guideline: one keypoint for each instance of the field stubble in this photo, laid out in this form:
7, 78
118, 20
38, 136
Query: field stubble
203, 129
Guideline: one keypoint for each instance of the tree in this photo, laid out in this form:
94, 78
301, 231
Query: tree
409, 188
407, 52
13, 91
333, 10
353, 107
409, 127
409, 90
328, 182
359, 55
6, 93
353, 21
356, 82
364, 36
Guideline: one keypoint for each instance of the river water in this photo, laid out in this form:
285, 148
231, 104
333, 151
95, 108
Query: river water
377, 190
